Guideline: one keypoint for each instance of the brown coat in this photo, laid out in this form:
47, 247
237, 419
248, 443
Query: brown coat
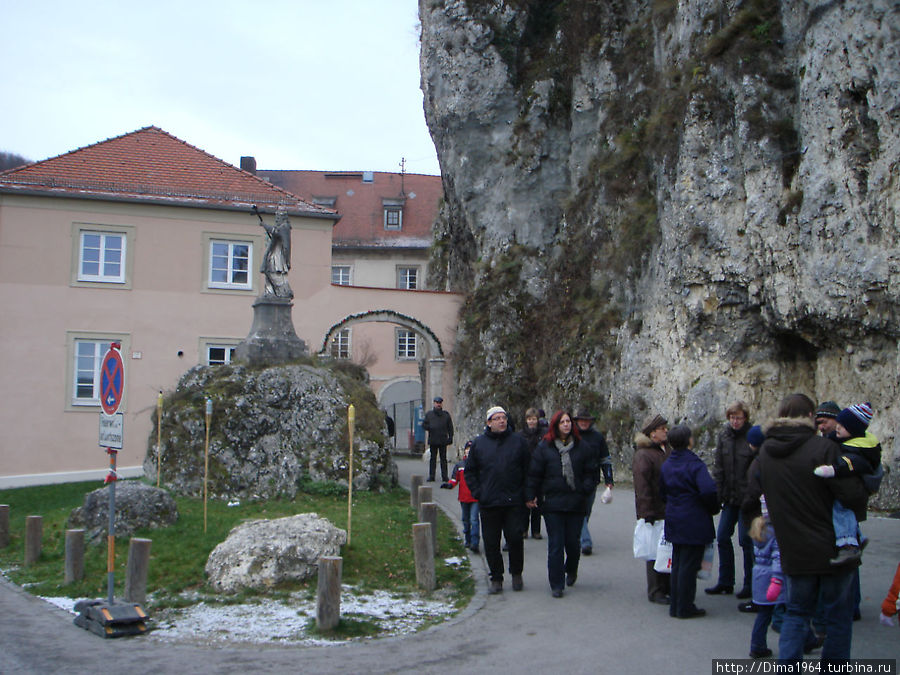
646, 469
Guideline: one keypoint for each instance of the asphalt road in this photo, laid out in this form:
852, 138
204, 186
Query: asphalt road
604, 624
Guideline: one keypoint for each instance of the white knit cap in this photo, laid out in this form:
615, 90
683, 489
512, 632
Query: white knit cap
493, 411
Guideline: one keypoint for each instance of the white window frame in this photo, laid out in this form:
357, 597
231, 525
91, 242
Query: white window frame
341, 269
405, 341
341, 346
104, 258
231, 270
390, 211
228, 350
86, 352
407, 274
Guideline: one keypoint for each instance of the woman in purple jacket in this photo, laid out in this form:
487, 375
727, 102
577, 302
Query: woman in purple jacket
691, 502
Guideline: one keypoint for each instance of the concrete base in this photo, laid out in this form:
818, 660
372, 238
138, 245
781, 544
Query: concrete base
272, 339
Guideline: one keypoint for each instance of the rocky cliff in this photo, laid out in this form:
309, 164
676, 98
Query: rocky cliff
666, 206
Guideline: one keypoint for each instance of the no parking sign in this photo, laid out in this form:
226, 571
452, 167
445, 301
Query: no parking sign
112, 380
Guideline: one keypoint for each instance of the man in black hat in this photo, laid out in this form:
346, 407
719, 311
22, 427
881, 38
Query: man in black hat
439, 426
594, 440
826, 418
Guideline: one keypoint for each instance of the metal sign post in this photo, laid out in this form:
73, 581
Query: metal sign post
206, 458
110, 619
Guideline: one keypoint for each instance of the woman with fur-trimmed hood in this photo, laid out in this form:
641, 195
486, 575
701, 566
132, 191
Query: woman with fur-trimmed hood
646, 468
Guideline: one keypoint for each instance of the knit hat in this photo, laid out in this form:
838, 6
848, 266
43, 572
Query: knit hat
755, 436
493, 411
653, 422
855, 419
583, 414
828, 409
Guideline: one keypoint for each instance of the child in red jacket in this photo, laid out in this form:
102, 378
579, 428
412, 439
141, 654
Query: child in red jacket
467, 502
889, 606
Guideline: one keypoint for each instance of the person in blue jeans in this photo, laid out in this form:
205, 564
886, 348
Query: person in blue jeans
732, 459
467, 503
592, 437
800, 506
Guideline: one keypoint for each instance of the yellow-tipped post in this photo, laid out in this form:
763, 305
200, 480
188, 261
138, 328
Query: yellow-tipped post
351, 422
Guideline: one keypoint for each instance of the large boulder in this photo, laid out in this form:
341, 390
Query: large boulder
271, 428
264, 553
138, 506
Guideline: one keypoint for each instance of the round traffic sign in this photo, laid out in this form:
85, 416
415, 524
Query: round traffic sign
112, 381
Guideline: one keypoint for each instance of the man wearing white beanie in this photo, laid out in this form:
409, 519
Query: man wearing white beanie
495, 473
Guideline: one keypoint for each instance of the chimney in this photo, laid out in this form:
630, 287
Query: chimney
248, 164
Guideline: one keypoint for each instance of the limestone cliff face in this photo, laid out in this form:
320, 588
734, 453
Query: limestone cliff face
666, 206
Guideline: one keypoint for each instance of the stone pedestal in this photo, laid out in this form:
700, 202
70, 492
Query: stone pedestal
272, 339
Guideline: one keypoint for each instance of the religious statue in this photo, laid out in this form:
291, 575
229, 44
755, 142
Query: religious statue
276, 261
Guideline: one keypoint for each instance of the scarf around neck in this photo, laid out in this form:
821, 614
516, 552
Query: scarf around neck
566, 460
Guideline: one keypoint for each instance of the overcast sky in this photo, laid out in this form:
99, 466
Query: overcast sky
299, 84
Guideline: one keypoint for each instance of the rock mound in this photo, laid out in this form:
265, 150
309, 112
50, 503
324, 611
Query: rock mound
138, 506
264, 553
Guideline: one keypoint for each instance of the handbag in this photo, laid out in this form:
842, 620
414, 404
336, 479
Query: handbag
663, 556
646, 538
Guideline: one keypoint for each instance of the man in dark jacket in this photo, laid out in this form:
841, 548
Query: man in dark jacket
594, 440
800, 505
496, 470
439, 426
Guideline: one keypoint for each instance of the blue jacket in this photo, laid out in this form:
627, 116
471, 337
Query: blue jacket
691, 498
766, 564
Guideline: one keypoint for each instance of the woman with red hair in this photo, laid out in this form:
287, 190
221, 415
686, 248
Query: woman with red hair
562, 475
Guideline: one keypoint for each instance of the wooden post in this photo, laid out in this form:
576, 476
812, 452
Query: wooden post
415, 482
425, 495
328, 598
136, 574
74, 570
4, 525
428, 514
423, 548
34, 532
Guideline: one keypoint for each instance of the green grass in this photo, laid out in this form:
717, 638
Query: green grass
379, 557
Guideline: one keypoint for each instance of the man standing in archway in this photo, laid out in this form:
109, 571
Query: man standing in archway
439, 426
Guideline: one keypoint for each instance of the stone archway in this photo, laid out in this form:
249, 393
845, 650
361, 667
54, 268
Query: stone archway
434, 361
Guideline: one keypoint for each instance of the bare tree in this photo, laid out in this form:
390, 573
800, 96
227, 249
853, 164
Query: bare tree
9, 160
365, 354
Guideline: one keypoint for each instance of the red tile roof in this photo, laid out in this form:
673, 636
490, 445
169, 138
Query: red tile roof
360, 204
152, 165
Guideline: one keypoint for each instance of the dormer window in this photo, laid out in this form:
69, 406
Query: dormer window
393, 213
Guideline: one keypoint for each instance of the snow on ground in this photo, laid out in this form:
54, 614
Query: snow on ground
286, 621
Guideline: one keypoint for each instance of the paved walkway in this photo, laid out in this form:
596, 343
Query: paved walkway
604, 624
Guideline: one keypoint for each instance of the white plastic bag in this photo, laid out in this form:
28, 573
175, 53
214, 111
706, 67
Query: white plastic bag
606, 496
646, 538
663, 556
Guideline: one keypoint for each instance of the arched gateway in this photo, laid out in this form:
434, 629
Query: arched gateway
434, 361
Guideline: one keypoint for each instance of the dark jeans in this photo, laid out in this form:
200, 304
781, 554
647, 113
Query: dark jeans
764, 614
505, 520
531, 517
686, 560
835, 592
470, 523
731, 516
585, 532
435, 449
563, 546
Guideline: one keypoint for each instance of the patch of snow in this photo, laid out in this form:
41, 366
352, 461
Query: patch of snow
286, 621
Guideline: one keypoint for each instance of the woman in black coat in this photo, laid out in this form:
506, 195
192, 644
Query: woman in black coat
563, 473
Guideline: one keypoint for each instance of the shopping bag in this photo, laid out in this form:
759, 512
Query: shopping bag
606, 496
663, 556
646, 538
706, 564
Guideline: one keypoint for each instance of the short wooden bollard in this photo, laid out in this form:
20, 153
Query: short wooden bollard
4, 525
415, 482
423, 548
328, 598
136, 573
74, 556
34, 533
425, 495
428, 514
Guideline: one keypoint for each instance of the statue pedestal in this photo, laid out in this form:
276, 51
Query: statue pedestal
272, 339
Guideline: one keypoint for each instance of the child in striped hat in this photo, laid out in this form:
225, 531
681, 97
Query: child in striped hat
861, 458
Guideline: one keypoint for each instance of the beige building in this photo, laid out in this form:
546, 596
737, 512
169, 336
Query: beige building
148, 241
